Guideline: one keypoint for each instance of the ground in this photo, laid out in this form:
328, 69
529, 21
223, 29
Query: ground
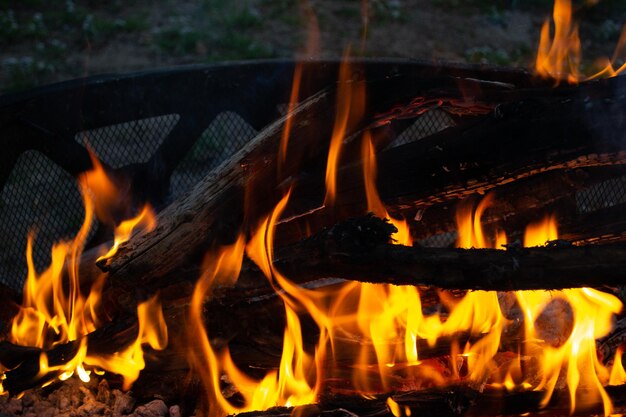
43, 41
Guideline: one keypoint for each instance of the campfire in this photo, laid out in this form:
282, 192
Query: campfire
300, 276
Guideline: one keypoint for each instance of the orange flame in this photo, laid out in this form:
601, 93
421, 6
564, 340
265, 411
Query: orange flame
350, 107
100, 189
576, 357
289, 384
293, 100
374, 203
559, 57
144, 221
56, 309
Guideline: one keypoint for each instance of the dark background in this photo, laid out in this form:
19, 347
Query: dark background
44, 41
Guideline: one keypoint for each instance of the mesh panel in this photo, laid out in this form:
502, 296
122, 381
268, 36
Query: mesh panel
442, 240
40, 196
425, 125
602, 195
131, 142
226, 134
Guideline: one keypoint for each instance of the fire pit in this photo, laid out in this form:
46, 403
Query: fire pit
355, 237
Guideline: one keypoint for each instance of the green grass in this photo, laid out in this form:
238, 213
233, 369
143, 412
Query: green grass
178, 41
223, 30
50, 30
522, 55
26, 72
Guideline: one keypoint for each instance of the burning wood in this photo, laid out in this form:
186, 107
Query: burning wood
345, 310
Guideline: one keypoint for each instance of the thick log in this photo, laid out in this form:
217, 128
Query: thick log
451, 401
248, 185
359, 250
546, 131
214, 210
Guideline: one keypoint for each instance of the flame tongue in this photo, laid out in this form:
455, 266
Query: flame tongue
559, 57
60, 306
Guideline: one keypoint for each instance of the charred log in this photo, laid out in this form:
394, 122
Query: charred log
359, 250
451, 401
545, 132
214, 211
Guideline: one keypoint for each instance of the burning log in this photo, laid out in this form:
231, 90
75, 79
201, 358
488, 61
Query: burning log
449, 401
215, 208
359, 250
412, 177
24, 363
214, 211
543, 132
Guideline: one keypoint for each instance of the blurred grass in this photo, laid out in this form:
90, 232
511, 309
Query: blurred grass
43, 41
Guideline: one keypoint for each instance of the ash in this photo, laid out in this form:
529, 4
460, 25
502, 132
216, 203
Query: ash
74, 398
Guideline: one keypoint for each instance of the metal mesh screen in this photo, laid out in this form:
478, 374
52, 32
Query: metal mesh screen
602, 195
41, 195
425, 125
226, 134
38, 196
130, 142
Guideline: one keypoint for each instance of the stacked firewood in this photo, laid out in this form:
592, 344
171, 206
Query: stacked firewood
533, 145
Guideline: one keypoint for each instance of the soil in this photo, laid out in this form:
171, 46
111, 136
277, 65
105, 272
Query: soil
43, 42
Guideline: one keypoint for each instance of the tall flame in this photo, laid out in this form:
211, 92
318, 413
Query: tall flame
350, 107
559, 57
57, 308
293, 100
288, 385
576, 357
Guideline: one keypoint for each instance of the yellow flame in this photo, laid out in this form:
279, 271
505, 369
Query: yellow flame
618, 374
572, 356
128, 363
576, 358
350, 107
394, 407
57, 308
145, 221
539, 233
286, 386
559, 57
